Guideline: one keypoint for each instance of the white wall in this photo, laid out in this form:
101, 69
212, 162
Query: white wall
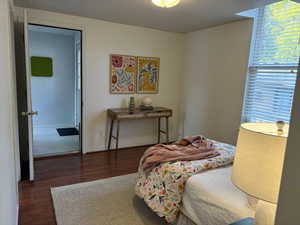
8, 120
289, 197
215, 68
100, 39
53, 97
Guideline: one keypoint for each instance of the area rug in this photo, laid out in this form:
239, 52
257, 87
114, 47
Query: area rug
103, 202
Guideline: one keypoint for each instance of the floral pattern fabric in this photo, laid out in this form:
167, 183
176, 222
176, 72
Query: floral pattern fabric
163, 187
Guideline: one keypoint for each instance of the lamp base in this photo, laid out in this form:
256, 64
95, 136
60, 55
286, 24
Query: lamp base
265, 213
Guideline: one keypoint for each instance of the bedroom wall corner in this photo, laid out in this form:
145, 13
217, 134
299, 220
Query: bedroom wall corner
215, 69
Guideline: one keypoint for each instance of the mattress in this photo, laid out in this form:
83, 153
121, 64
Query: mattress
210, 198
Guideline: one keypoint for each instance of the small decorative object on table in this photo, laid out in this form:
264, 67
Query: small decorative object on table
146, 104
247, 221
280, 125
131, 105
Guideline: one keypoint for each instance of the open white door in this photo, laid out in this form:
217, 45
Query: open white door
29, 101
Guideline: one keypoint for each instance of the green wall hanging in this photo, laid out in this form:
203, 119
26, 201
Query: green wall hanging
41, 66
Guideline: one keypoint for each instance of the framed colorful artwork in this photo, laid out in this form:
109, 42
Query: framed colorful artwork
123, 69
148, 75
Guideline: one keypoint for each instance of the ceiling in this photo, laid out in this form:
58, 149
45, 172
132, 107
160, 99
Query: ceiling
189, 15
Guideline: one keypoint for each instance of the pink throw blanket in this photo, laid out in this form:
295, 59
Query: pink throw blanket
187, 149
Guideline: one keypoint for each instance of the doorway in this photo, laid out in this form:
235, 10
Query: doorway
49, 91
55, 60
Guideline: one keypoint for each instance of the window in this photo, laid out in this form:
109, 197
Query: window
273, 63
78, 64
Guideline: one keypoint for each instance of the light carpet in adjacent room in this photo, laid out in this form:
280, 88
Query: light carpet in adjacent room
103, 202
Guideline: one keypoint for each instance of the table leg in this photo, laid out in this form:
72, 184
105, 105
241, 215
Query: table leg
110, 133
167, 129
118, 132
158, 133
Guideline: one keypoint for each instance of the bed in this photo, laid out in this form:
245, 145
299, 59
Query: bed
210, 198
163, 188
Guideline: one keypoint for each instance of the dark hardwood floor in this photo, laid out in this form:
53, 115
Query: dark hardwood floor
35, 199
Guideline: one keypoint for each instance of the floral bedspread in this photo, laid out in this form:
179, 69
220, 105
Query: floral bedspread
163, 187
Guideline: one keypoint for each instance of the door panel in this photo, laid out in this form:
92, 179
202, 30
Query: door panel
23, 96
29, 103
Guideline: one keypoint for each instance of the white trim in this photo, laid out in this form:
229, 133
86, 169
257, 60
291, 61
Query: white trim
75, 83
252, 44
81, 27
77, 117
18, 212
55, 154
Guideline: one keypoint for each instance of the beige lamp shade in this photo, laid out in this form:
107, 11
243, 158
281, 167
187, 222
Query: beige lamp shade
259, 160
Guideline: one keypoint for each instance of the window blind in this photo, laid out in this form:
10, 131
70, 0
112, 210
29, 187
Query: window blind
273, 63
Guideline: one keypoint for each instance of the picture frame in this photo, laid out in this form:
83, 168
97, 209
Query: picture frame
123, 73
147, 81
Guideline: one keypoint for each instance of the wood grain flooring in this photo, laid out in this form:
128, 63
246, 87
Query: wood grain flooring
35, 199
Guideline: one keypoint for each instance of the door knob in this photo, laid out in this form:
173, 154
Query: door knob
29, 113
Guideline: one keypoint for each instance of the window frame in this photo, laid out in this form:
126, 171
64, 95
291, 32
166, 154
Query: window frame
246, 113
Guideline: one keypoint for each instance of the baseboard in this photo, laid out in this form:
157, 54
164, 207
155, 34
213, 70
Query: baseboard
55, 154
124, 147
18, 222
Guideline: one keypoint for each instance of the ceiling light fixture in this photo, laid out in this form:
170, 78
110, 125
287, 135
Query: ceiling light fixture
165, 3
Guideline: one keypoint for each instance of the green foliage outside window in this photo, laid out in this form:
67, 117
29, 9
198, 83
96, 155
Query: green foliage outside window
280, 33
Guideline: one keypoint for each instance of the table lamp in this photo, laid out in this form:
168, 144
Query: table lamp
258, 165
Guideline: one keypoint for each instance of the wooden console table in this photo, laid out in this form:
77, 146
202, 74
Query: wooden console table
123, 114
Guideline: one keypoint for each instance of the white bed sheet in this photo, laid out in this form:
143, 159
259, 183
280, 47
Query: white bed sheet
210, 198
